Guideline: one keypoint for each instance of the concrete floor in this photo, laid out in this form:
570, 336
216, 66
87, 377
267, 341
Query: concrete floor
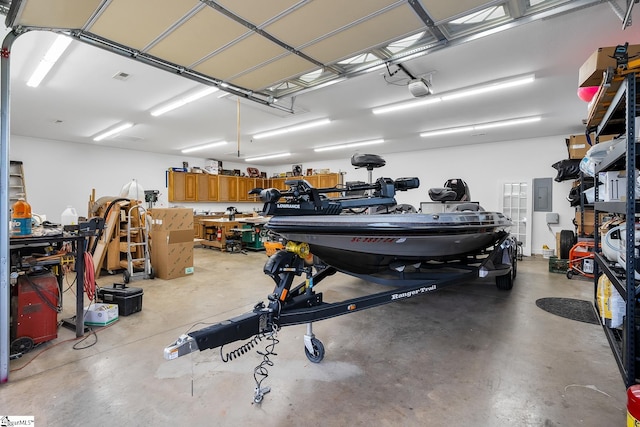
466, 355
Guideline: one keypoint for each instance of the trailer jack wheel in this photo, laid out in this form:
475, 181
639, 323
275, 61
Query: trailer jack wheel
318, 351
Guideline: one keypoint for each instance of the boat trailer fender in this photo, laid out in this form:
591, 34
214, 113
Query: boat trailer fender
500, 260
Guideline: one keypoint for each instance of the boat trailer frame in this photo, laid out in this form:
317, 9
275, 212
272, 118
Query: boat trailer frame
301, 304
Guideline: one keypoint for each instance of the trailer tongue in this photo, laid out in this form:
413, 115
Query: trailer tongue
300, 304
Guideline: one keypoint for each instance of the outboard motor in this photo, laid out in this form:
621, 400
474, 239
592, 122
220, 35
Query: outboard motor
455, 190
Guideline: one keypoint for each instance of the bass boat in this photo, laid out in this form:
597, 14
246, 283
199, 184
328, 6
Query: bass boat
370, 243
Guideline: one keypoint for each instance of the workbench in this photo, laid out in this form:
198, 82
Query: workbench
216, 232
18, 244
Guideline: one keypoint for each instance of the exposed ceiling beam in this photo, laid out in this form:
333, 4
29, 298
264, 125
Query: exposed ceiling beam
261, 32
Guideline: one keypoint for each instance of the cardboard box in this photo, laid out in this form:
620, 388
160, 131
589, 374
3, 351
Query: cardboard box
577, 145
213, 167
172, 253
590, 73
99, 314
167, 219
587, 228
172, 236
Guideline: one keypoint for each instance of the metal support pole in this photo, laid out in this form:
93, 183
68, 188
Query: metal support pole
630, 332
80, 267
4, 207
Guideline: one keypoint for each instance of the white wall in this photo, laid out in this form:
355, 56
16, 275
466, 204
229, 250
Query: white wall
62, 173
58, 174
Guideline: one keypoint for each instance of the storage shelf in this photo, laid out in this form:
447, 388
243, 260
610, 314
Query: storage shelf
612, 114
615, 207
617, 277
615, 159
608, 113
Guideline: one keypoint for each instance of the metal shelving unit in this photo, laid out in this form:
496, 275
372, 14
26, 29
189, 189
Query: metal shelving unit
615, 111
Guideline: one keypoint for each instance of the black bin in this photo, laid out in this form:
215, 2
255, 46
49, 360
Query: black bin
129, 300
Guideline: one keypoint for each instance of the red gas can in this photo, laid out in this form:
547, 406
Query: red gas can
633, 406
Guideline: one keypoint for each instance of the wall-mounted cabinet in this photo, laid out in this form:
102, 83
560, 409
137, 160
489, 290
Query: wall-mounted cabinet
227, 188
278, 183
202, 187
183, 186
207, 187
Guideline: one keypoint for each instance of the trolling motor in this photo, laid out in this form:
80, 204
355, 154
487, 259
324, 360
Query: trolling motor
303, 199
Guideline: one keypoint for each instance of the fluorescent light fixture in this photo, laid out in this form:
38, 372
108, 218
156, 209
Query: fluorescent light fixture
447, 131
183, 101
491, 87
507, 123
116, 130
349, 145
481, 126
407, 105
295, 128
462, 93
203, 147
271, 156
47, 62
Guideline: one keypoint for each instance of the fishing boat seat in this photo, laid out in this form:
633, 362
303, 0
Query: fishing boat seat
442, 194
454, 190
368, 161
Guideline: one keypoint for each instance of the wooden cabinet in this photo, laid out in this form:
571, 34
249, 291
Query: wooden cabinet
247, 184
183, 187
278, 183
314, 180
329, 180
207, 188
244, 185
257, 183
202, 187
227, 188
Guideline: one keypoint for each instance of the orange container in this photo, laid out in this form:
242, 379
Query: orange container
21, 218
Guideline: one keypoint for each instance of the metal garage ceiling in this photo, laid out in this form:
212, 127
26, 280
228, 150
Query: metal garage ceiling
266, 50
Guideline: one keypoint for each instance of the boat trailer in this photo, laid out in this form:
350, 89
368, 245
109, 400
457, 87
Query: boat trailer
301, 304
